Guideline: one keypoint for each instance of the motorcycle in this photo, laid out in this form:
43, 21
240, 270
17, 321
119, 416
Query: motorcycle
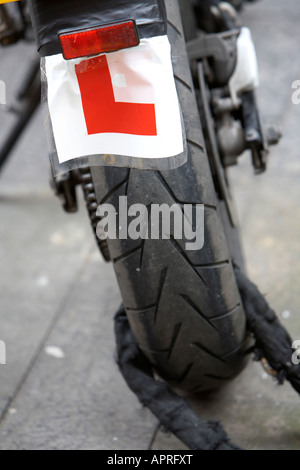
148, 105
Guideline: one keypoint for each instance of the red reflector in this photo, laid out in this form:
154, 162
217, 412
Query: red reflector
107, 38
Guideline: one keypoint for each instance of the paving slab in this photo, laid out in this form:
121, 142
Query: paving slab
75, 397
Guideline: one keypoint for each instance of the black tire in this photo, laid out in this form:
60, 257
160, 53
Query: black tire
184, 307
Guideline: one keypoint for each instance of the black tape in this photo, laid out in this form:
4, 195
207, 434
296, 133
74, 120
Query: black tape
51, 16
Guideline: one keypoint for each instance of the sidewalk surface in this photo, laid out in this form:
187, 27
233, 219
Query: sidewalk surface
61, 388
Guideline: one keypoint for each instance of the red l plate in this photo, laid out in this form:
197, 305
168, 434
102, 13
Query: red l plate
102, 113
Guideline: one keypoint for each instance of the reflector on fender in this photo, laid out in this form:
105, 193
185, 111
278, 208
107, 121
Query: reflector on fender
108, 38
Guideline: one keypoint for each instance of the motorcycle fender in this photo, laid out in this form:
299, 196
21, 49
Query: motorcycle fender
121, 104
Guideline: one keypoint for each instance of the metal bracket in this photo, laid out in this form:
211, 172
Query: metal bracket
243, 128
258, 136
65, 188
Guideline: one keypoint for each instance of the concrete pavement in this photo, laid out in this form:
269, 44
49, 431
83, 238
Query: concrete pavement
61, 388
